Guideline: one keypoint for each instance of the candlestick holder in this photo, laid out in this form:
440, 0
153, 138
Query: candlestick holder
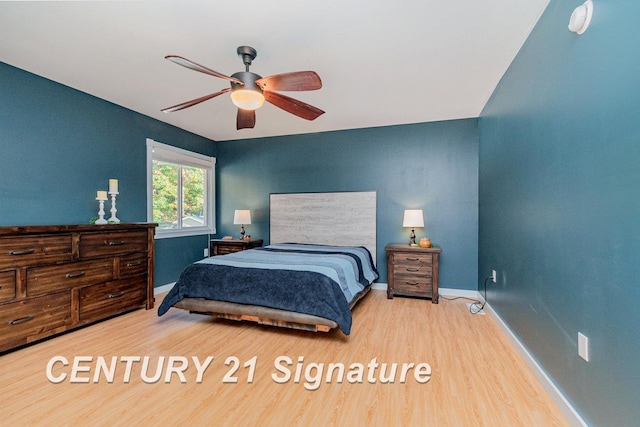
113, 219
101, 219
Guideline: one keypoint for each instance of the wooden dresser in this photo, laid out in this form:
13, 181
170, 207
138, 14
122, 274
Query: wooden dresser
412, 271
229, 246
57, 278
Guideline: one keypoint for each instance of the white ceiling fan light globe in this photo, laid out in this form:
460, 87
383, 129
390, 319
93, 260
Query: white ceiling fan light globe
247, 99
581, 17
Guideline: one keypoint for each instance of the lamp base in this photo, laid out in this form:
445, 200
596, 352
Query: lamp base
412, 238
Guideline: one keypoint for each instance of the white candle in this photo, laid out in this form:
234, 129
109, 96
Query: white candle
113, 186
101, 195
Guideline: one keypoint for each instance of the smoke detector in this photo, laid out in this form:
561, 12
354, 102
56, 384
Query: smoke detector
581, 17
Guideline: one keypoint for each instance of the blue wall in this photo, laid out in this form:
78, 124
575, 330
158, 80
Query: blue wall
431, 166
58, 146
560, 205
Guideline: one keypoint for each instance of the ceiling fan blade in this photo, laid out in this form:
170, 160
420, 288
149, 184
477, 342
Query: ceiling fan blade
293, 106
246, 119
194, 101
295, 81
201, 68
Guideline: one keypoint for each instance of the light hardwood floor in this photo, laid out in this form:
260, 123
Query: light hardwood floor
477, 378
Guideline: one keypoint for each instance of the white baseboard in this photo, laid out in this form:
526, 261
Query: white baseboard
162, 289
459, 293
447, 292
379, 286
565, 407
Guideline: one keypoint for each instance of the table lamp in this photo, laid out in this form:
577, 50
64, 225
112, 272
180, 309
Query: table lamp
242, 217
413, 218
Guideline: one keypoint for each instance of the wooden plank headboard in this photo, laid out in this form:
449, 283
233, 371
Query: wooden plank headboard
339, 218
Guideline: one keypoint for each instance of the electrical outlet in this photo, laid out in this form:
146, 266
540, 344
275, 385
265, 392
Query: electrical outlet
206, 252
583, 346
494, 276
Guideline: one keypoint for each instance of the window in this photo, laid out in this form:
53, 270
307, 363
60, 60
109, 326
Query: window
180, 191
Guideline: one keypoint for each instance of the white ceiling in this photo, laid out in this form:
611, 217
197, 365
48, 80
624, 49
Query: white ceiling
381, 62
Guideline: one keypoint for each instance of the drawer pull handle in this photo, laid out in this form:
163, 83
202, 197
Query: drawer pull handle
118, 295
134, 264
413, 283
413, 269
413, 259
118, 243
22, 320
74, 275
24, 252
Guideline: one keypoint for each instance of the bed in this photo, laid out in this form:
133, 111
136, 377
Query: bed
320, 262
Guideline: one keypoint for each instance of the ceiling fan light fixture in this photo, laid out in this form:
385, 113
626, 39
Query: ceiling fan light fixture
247, 99
249, 90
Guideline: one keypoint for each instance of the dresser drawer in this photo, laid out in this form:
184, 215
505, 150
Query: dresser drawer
104, 300
414, 269
42, 280
412, 260
132, 265
108, 244
32, 250
223, 250
7, 285
412, 285
228, 246
26, 321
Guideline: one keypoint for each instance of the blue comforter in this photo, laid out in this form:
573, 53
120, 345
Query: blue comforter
313, 279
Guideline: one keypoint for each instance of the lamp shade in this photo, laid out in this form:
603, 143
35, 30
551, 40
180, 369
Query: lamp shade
413, 218
242, 217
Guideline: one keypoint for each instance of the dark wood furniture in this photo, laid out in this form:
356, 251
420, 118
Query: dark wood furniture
412, 271
229, 246
57, 278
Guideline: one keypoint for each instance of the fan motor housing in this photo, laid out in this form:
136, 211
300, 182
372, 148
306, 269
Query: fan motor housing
249, 80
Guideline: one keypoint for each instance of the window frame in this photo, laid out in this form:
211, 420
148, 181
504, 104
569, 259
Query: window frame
170, 154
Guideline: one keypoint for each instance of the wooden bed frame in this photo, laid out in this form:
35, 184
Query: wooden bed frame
339, 218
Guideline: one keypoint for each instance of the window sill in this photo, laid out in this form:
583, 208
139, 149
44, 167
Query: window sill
166, 234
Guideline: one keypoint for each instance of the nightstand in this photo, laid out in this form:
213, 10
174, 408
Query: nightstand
229, 246
412, 271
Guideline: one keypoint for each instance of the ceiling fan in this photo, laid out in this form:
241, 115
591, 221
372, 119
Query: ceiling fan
249, 90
